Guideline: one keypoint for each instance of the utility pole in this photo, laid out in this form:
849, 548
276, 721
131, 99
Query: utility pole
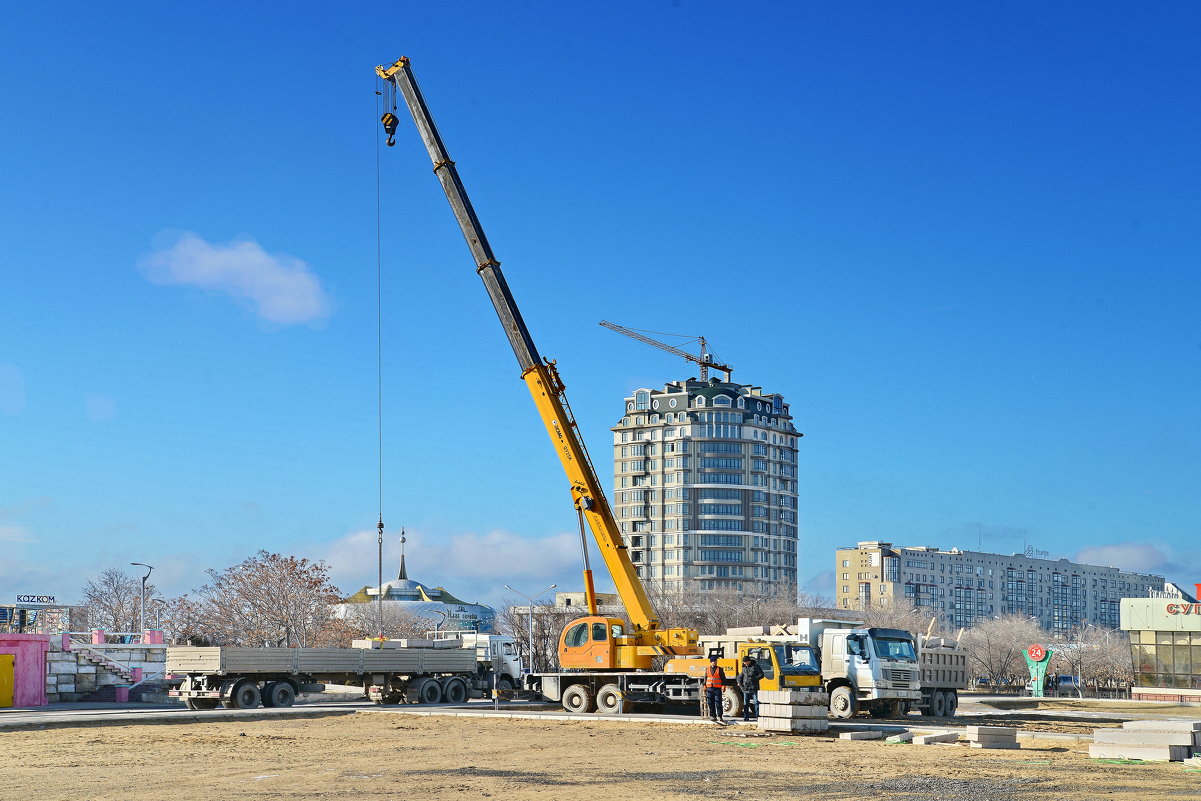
142, 615
531, 598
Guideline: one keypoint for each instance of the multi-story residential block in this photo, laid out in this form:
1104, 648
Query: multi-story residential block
963, 587
705, 487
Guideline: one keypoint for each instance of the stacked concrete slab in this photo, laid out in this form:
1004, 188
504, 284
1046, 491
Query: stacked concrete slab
992, 737
936, 738
1150, 740
796, 711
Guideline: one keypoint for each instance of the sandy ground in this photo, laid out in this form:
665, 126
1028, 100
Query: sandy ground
392, 756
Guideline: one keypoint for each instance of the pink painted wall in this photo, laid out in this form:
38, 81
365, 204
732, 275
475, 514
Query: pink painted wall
29, 665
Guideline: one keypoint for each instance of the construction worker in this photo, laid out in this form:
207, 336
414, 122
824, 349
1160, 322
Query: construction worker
748, 682
715, 683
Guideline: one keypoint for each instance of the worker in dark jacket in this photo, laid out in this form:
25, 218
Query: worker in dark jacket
715, 682
748, 682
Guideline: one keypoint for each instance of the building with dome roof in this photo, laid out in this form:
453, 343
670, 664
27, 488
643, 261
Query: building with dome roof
422, 601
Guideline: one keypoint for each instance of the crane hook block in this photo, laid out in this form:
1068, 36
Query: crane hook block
390, 122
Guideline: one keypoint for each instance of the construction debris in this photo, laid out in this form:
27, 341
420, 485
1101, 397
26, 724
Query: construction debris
1148, 740
796, 711
940, 737
903, 737
868, 734
992, 737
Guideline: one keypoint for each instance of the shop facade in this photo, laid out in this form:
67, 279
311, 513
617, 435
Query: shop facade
1165, 643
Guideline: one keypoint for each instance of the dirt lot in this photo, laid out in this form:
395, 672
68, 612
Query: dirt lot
393, 756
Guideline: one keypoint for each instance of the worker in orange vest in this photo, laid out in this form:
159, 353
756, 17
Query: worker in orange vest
715, 683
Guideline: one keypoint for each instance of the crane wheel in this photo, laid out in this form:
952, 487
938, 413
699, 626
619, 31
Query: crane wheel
578, 698
610, 700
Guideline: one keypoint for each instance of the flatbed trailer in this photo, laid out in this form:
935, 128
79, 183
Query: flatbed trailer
242, 678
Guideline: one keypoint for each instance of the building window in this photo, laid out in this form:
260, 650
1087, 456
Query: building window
642, 400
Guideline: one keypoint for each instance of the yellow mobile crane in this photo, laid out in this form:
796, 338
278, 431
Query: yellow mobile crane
594, 642
602, 666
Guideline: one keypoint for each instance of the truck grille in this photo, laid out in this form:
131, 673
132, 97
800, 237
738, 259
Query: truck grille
899, 678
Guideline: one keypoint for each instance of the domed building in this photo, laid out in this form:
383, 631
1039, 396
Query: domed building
421, 601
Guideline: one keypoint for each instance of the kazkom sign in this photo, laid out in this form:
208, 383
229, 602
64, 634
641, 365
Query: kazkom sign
35, 599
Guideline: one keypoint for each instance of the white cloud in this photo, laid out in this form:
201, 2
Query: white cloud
1138, 557
12, 389
282, 289
100, 407
14, 533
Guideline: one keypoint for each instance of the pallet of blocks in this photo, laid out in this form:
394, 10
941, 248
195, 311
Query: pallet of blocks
992, 737
1148, 740
796, 711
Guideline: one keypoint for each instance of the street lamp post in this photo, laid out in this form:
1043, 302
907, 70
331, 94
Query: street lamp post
531, 598
142, 616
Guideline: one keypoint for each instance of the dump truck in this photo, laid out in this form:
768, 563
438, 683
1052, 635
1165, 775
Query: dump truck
421, 671
943, 663
873, 670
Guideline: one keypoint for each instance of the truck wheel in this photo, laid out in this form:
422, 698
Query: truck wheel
952, 703
245, 695
455, 691
279, 693
842, 703
578, 698
938, 704
201, 704
731, 702
609, 700
504, 683
427, 691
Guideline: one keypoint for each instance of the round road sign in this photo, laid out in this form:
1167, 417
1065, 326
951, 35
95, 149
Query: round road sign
1036, 652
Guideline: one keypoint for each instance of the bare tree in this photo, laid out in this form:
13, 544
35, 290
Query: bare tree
1097, 657
363, 621
904, 616
994, 648
269, 600
113, 600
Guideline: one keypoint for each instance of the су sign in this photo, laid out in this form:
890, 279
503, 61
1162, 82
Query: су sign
1183, 609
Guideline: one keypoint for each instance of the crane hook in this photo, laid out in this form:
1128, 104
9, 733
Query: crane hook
390, 122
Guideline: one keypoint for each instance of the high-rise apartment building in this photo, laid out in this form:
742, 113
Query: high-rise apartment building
963, 587
705, 487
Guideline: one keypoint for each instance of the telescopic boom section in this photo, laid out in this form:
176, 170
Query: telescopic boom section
544, 384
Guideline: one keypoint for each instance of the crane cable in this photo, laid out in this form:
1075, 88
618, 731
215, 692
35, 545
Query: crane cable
379, 366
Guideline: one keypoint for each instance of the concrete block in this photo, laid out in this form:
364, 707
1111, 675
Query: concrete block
1140, 737
1163, 725
1150, 753
52, 698
790, 711
1010, 744
940, 737
61, 667
870, 734
796, 726
85, 668
993, 738
903, 737
1008, 731
51, 680
66, 688
109, 679
801, 697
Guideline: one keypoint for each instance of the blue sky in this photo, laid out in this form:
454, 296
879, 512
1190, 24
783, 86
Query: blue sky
961, 240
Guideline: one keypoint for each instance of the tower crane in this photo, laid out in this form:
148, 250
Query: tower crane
604, 645
705, 360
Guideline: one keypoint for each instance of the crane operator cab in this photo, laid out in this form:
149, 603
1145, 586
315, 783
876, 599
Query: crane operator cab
591, 643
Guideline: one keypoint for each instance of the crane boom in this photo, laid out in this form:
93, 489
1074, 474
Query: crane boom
542, 378
705, 360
